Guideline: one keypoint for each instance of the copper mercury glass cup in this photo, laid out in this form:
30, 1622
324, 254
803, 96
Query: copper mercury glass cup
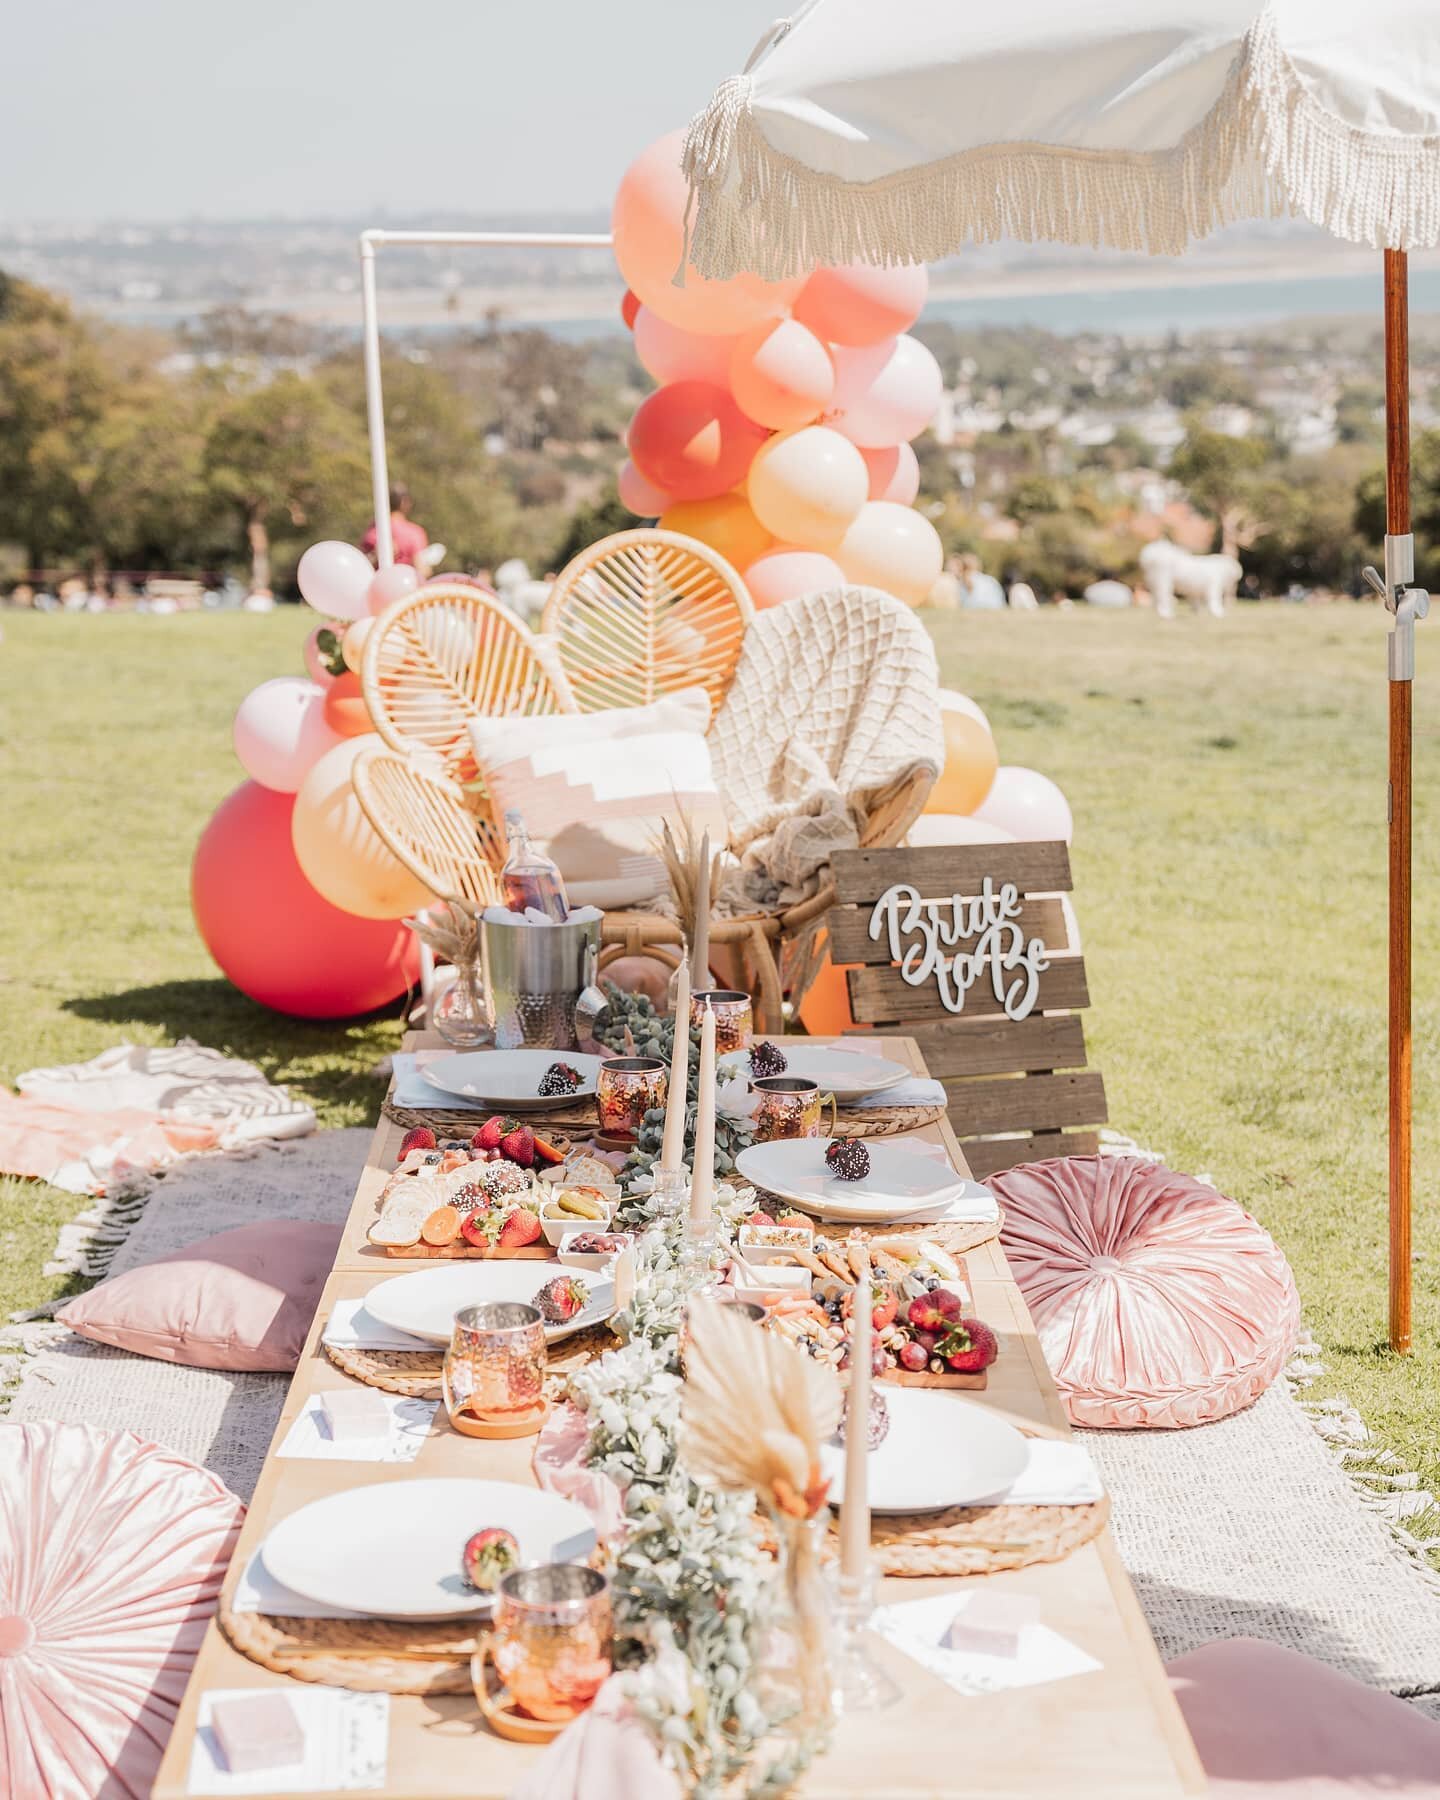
786, 1106
552, 1638
494, 1372
734, 1017
626, 1088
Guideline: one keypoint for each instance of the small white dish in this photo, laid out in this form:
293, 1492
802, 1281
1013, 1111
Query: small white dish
392, 1550
941, 1450
753, 1247
509, 1079
425, 1303
558, 1225
903, 1183
591, 1259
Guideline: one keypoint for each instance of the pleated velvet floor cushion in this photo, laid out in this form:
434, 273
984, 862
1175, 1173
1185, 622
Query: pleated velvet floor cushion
1158, 1301
112, 1552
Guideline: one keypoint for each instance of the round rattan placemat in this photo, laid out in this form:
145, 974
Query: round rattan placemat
981, 1540
416, 1373
569, 1122
383, 1656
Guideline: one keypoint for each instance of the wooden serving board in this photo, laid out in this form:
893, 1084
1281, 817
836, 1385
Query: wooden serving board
922, 1378
460, 1250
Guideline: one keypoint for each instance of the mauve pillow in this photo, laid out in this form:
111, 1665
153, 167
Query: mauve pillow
242, 1300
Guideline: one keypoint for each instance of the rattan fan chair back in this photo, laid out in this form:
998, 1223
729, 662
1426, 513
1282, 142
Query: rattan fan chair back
431, 824
643, 614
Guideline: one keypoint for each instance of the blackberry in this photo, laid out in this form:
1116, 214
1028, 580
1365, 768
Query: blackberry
848, 1158
766, 1059
557, 1081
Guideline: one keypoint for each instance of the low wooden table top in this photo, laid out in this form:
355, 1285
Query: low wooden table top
1115, 1734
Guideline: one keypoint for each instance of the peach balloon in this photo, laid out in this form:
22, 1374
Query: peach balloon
352, 646
807, 486
785, 572
648, 223
725, 523
951, 700
280, 732
894, 548
692, 440
335, 577
346, 713
389, 585
970, 764
894, 474
860, 304
667, 353
884, 393
781, 374
337, 847
639, 496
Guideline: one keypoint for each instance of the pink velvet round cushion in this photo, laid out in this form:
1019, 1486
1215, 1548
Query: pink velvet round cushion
112, 1552
1158, 1301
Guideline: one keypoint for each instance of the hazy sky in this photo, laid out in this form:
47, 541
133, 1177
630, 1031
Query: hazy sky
163, 108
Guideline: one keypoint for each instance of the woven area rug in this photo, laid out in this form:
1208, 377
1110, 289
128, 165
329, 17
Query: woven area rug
1249, 1527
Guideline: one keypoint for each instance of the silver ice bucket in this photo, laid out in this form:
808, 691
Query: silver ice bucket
537, 978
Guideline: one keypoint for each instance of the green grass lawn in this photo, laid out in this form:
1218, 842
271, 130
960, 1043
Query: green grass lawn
1228, 784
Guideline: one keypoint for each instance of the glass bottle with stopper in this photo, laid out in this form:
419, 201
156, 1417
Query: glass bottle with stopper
529, 878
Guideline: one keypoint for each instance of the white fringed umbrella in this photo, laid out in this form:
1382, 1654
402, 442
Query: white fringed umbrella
895, 131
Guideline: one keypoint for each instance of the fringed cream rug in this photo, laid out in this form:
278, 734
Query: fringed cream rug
1279, 1523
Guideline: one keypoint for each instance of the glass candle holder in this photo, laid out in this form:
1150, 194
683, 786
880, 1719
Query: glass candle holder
734, 1017
494, 1373
787, 1106
626, 1088
553, 1638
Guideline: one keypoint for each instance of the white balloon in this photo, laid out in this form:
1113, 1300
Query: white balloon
952, 700
280, 732
893, 548
335, 578
955, 828
885, 393
1029, 804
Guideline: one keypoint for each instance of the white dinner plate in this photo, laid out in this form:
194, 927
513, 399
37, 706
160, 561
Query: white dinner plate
941, 1450
902, 1184
509, 1078
846, 1074
392, 1550
425, 1303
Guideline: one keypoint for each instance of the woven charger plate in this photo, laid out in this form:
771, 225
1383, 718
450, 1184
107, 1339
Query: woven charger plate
416, 1373
564, 1122
377, 1656
885, 1121
981, 1540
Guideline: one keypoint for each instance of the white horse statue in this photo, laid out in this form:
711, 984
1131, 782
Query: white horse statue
1207, 580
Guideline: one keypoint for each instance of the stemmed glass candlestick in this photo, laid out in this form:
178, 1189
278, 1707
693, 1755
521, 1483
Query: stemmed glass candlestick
858, 1682
700, 1225
672, 1180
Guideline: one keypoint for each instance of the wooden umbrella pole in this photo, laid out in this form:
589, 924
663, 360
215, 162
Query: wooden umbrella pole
1399, 570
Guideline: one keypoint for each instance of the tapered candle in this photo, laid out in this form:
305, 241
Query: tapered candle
702, 1174
672, 1149
855, 1507
700, 954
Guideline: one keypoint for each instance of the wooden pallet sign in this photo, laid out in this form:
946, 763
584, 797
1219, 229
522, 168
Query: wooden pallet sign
965, 948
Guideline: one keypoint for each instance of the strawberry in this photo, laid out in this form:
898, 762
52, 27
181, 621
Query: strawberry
489, 1135
420, 1138
759, 1218
882, 1307
969, 1346
521, 1227
487, 1556
559, 1300
518, 1143
480, 1228
935, 1311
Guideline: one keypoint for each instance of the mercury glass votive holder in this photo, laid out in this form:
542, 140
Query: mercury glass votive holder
734, 1017
494, 1371
626, 1088
553, 1635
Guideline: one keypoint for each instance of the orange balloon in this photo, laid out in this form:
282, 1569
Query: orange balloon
725, 523
825, 1010
691, 440
339, 851
970, 764
648, 223
861, 304
781, 374
345, 708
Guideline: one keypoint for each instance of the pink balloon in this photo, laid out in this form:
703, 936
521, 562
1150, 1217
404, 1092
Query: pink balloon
389, 585
860, 304
315, 661
884, 393
335, 578
273, 935
280, 732
894, 474
640, 496
1028, 805
669, 354
648, 222
692, 440
785, 572
781, 374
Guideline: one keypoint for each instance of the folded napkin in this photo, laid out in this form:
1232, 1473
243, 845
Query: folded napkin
919, 1628
413, 1090
409, 1426
1060, 1472
607, 1754
352, 1326
971, 1205
915, 1090
257, 1591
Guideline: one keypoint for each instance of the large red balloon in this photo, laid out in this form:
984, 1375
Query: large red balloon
691, 440
272, 934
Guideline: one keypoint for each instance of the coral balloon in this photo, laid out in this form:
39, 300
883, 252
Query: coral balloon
894, 474
667, 353
953, 701
337, 847
389, 585
629, 307
951, 828
785, 572
806, 486
725, 523
648, 223
860, 304
1028, 804
352, 646
884, 393
346, 713
970, 763
692, 440
781, 374
280, 732
335, 578
272, 934
894, 548
317, 664
639, 496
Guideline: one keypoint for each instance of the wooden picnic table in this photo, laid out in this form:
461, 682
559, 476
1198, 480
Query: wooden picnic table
1114, 1734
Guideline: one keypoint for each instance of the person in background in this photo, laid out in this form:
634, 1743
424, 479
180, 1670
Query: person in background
979, 592
1018, 592
408, 538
